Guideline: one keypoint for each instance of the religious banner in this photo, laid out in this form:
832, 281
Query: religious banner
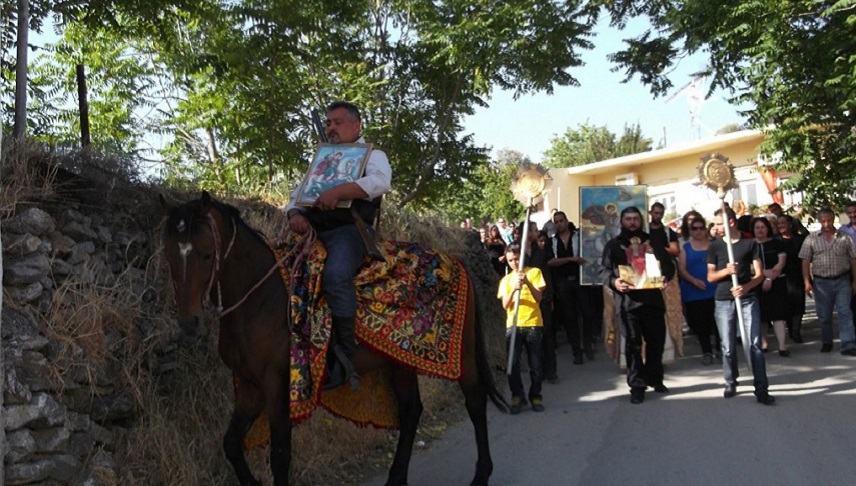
600, 210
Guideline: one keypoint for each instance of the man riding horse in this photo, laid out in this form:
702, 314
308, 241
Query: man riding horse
336, 229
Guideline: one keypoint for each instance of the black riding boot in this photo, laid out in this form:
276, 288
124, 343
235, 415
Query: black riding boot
340, 359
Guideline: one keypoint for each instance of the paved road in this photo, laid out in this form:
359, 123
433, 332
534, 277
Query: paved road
591, 434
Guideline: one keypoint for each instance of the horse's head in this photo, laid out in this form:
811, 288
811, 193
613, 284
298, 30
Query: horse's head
193, 245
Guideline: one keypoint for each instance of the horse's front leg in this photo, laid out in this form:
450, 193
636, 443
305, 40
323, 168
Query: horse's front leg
277, 407
248, 405
406, 387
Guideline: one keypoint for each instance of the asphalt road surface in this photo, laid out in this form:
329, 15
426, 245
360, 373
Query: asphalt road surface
591, 434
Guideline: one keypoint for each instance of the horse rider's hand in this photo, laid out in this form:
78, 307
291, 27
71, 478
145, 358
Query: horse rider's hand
622, 286
298, 223
327, 200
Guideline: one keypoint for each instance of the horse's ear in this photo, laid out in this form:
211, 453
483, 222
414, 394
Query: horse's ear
206, 199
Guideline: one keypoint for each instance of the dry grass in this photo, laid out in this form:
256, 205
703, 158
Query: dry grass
92, 324
27, 175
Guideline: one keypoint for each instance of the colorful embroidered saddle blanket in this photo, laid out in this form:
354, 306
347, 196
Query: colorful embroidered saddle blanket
411, 308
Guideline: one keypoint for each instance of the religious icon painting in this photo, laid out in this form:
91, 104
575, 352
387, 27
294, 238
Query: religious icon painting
600, 210
333, 165
643, 269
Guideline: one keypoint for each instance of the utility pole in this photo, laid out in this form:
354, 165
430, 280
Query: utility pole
83, 105
21, 71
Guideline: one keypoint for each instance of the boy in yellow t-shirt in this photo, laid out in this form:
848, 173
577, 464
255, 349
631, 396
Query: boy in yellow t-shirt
530, 282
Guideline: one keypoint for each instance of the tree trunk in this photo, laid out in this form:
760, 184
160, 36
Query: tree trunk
2, 363
83, 104
21, 71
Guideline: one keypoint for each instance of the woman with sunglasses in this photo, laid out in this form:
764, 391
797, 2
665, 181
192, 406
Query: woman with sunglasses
696, 292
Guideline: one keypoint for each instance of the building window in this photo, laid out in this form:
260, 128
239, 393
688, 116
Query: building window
668, 201
749, 193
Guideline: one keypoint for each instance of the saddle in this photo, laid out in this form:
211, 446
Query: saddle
411, 309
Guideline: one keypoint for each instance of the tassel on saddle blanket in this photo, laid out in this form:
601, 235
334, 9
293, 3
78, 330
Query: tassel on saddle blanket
411, 308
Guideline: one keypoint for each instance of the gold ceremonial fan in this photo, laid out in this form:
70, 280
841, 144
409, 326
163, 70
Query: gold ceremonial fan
529, 183
717, 173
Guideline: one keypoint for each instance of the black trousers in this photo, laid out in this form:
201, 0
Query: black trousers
648, 323
530, 338
699, 314
853, 308
550, 368
567, 315
591, 308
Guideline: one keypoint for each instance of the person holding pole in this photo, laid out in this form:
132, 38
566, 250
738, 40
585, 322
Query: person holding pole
730, 256
641, 311
520, 292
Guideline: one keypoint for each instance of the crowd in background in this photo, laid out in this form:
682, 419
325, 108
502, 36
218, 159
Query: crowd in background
794, 262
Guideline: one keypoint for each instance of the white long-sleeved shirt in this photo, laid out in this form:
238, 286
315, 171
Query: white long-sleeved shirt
376, 181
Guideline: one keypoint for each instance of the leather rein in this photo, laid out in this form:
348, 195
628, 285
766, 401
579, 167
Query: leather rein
302, 249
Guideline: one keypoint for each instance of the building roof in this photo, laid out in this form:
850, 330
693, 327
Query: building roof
709, 144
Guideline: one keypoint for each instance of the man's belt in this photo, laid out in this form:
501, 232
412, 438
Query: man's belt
831, 278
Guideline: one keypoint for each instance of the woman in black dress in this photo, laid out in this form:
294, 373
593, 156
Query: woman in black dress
793, 276
774, 290
495, 247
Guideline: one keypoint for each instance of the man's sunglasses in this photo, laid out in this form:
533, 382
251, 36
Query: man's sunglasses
697, 228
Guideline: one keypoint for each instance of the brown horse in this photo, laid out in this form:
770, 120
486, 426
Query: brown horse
212, 252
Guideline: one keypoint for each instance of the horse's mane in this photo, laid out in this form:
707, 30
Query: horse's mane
191, 212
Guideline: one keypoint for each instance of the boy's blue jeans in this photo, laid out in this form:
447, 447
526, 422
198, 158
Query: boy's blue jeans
532, 339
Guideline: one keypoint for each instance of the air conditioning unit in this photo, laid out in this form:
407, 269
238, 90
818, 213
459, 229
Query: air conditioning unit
629, 179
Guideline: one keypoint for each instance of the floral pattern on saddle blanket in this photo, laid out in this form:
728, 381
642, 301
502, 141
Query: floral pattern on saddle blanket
411, 308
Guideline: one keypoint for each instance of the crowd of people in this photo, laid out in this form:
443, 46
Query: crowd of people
777, 262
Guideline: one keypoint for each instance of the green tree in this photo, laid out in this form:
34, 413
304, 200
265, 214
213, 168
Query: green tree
242, 77
588, 143
486, 194
794, 60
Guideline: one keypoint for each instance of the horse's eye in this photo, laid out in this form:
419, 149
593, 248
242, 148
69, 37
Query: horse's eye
206, 257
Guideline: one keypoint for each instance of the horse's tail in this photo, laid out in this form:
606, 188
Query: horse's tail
485, 373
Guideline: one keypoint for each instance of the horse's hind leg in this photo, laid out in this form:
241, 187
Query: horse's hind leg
476, 401
248, 405
406, 387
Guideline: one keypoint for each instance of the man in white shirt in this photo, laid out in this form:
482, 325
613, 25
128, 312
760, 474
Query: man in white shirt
336, 229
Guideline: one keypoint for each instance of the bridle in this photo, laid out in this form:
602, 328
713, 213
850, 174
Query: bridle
302, 249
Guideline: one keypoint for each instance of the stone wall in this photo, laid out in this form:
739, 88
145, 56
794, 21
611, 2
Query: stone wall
63, 418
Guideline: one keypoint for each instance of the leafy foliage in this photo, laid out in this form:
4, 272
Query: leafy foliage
794, 60
588, 143
486, 195
231, 84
